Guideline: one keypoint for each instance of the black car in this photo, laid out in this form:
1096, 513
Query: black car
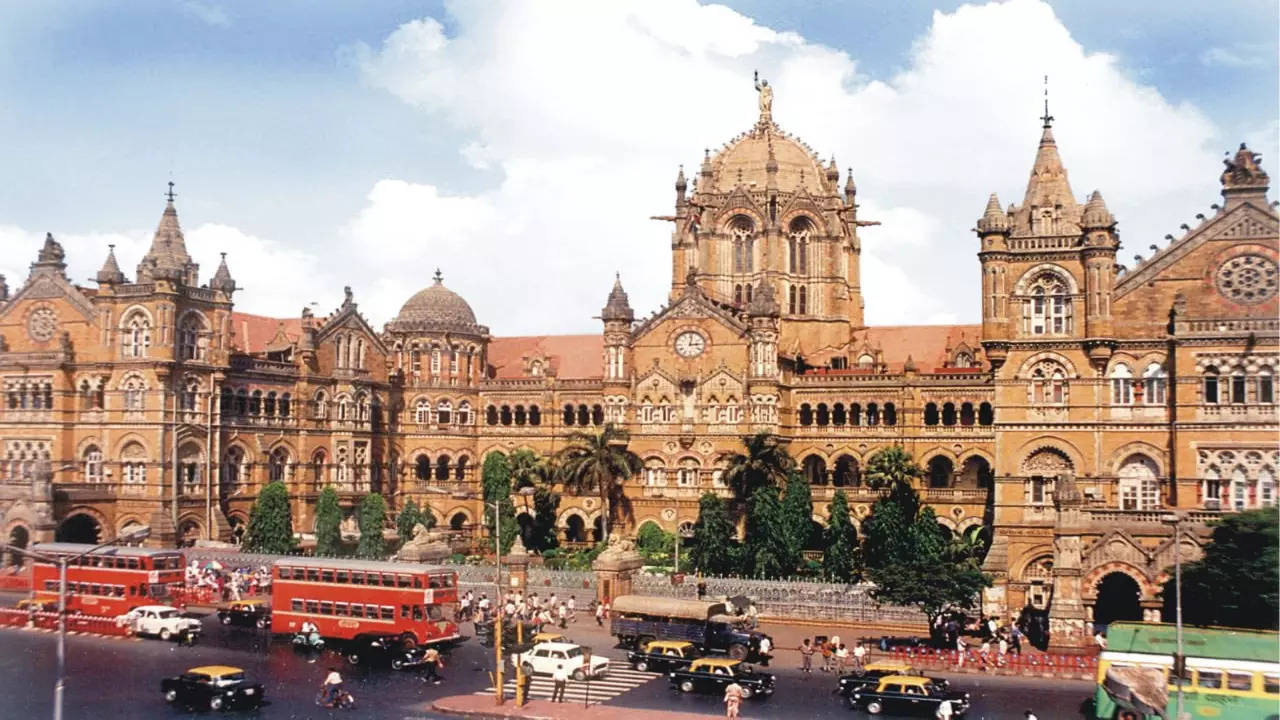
713, 675
254, 613
382, 651
907, 695
663, 655
216, 687
869, 677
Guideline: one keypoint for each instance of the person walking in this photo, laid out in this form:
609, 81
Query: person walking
599, 614
573, 609
859, 656
432, 662
842, 659
766, 648
560, 678
732, 700
806, 657
828, 653
961, 650
944, 711
562, 614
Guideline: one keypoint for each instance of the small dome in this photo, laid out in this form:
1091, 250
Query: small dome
749, 159
993, 220
437, 308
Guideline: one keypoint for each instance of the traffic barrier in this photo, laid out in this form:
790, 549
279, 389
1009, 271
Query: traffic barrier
76, 622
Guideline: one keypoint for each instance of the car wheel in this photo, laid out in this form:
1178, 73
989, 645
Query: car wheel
874, 708
397, 664
737, 651
686, 686
261, 623
579, 675
642, 666
165, 633
171, 696
225, 619
353, 658
215, 702
528, 668
747, 693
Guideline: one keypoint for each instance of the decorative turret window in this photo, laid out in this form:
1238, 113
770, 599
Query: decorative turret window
191, 337
136, 335
1048, 384
798, 245
741, 234
1047, 306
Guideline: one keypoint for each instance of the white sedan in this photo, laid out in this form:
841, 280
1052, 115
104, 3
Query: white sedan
161, 620
544, 658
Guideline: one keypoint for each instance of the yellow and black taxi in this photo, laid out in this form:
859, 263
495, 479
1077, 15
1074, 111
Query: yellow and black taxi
869, 676
713, 675
253, 612
215, 687
908, 695
663, 656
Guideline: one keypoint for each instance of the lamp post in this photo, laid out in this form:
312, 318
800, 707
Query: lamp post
1179, 661
62, 561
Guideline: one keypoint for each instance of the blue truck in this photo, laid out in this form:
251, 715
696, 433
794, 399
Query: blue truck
638, 619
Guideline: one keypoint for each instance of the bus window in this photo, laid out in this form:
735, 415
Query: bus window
142, 589
417, 581
313, 607
433, 612
95, 589
313, 575
371, 612
343, 577
1210, 679
388, 612
357, 610
404, 611
326, 607
159, 591
282, 573
404, 581
435, 582
119, 591
326, 576
341, 608
417, 613
448, 580
1271, 684
357, 577
132, 563
295, 605
132, 591
1239, 681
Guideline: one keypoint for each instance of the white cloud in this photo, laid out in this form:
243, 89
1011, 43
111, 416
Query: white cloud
587, 108
1234, 57
208, 14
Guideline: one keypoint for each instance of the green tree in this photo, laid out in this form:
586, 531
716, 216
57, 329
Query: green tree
600, 463
839, 558
657, 545
526, 469
328, 523
713, 550
270, 522
766, 549
495, 478
546, 505
797, 517
1234, 584
371, 517
409, 516
764, 461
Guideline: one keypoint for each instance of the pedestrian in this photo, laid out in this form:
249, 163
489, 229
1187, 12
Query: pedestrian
766, 646
944, 711
1015, 639
561, 678
827, 656
806, 657
842, 658
991, 627
563, 615
1004, 650
607, 607
1100, 640
859, 656
432, 662
573, 609
961, 650
732, 700
599, 614
753, 617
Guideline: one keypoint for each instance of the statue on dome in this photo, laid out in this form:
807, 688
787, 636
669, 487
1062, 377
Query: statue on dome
766, 97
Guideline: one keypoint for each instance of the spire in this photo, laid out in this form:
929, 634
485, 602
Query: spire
168, 256
850, 188
1096, 216
833, 172
993, 220
706, 166
222, 278
1046, 119
681, 186
617, 307
438, 277
51, 253
110, 273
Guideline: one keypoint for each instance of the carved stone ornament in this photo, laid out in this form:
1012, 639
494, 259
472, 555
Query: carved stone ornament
42, 323
1247, 279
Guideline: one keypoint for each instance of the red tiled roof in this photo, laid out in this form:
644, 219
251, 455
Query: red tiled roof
926, 345
572, 357
253, 333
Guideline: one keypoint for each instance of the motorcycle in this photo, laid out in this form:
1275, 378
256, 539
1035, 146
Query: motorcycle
311, 641
344, 700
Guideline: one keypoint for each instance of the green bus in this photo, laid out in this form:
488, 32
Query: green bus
1231, 674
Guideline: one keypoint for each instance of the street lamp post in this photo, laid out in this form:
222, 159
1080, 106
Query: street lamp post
1179, 662
63, 560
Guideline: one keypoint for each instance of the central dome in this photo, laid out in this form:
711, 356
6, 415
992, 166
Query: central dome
437, 308
745, 160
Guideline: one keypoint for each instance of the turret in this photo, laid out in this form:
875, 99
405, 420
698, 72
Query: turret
993, 237
50, 259
222, 279
833, 174
681, 186
850, 189
617, 316
993, 226
1244, 179
110, 273
167, 259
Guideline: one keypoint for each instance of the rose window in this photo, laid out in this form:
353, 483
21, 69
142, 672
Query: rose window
42, 324
1247, 279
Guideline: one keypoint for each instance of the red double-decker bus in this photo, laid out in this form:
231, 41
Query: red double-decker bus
108, 581
350, 599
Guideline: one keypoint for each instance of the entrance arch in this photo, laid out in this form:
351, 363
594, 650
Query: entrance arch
458, 521
79, 528
575, 529
1119, 598
940, 471
19, 537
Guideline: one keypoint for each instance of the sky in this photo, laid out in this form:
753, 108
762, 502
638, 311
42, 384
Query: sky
522, 147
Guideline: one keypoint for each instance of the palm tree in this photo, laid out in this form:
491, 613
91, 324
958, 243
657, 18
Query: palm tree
527, 469
599, 463
764, 461
892, 469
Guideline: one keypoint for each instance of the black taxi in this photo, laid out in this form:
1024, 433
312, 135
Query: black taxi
215, 687
663, 655
253, 612
713, 675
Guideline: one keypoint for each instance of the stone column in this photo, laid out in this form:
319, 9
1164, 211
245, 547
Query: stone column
517, 566
615, 567
1068, 631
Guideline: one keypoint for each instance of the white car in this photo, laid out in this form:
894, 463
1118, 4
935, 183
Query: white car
543, 659
160, 620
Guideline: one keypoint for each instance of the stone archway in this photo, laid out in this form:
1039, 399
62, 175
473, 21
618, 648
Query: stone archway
79, 527
19, 537
575, 529
458, 521
1119, 598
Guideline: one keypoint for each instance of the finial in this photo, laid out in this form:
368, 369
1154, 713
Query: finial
224, 255
1047, 119
439, 276
171, 194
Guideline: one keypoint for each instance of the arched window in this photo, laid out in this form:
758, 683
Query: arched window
464, 413
804, 300
422, 411
873, 414
838, 415
233, 471
584, 415
269, 404
1139, 484
255, 403
362, 406
133, 466
535, 415
191, 342
948, 413
1239, 489
791, 298
1266, 386
435, 360
442, 468
1211, 385
504, 415
92, 395
931, 414
737, 294
815, 470
444, 412
422, 468
460, 473
855, 414
986, 414
687, 474
1266, 488
748, 293
1155, 385
242, 402
964, 360
190, 395
491, 415
823, 416
1211, 488
519, 416
890, 414
866, 362
321, 402
568, 415
1048, 307
136, 338
597, 415
344, 408
741, 232
1121, 385
317, 470
285, 402
92, 464
966, 413
1048, 383
798, 245
655, 475
134, 393
276, 465
1238, 387
806, 414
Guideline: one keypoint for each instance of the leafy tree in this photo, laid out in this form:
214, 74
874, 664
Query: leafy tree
495, 478
328, 523
1235, 582
409, 516
764, 461
886, 533
893, 469
797, 517
839, 558
657, 545
713, 550
767, 546
546, 504
371, 518
599, 463
526, 469
427, 517
270, 522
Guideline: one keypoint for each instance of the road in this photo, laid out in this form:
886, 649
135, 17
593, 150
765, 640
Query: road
122, 676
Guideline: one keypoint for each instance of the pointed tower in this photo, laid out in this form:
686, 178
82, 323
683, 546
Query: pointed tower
50, 260
167, 259
222, 280
993, 232
110, 273
618, 317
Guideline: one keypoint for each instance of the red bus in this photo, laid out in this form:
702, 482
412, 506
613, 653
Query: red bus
348, 599
109, 581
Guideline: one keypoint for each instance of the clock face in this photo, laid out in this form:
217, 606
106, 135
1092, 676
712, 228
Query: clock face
690, 344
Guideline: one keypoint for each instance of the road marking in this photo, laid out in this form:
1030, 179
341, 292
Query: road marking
618, 681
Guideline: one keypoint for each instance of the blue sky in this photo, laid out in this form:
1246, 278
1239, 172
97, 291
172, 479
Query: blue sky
328, 135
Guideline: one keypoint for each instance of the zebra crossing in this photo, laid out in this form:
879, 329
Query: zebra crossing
619, 680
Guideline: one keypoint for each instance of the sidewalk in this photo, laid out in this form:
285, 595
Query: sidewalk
481, 706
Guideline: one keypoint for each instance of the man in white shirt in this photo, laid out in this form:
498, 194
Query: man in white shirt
859, 656
765, 648
944, 710
560, 677
573, 609
332, 686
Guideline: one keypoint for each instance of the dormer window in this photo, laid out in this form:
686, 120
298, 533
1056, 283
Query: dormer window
866, 361
964, 360
535, 368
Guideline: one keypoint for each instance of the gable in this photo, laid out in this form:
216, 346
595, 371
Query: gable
692, 306
49, 286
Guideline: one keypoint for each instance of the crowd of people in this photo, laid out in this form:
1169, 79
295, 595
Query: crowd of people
222, 583
998, 640
540, 611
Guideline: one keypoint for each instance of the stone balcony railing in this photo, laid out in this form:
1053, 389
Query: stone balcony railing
1110, 517
270, 367
1240, 411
